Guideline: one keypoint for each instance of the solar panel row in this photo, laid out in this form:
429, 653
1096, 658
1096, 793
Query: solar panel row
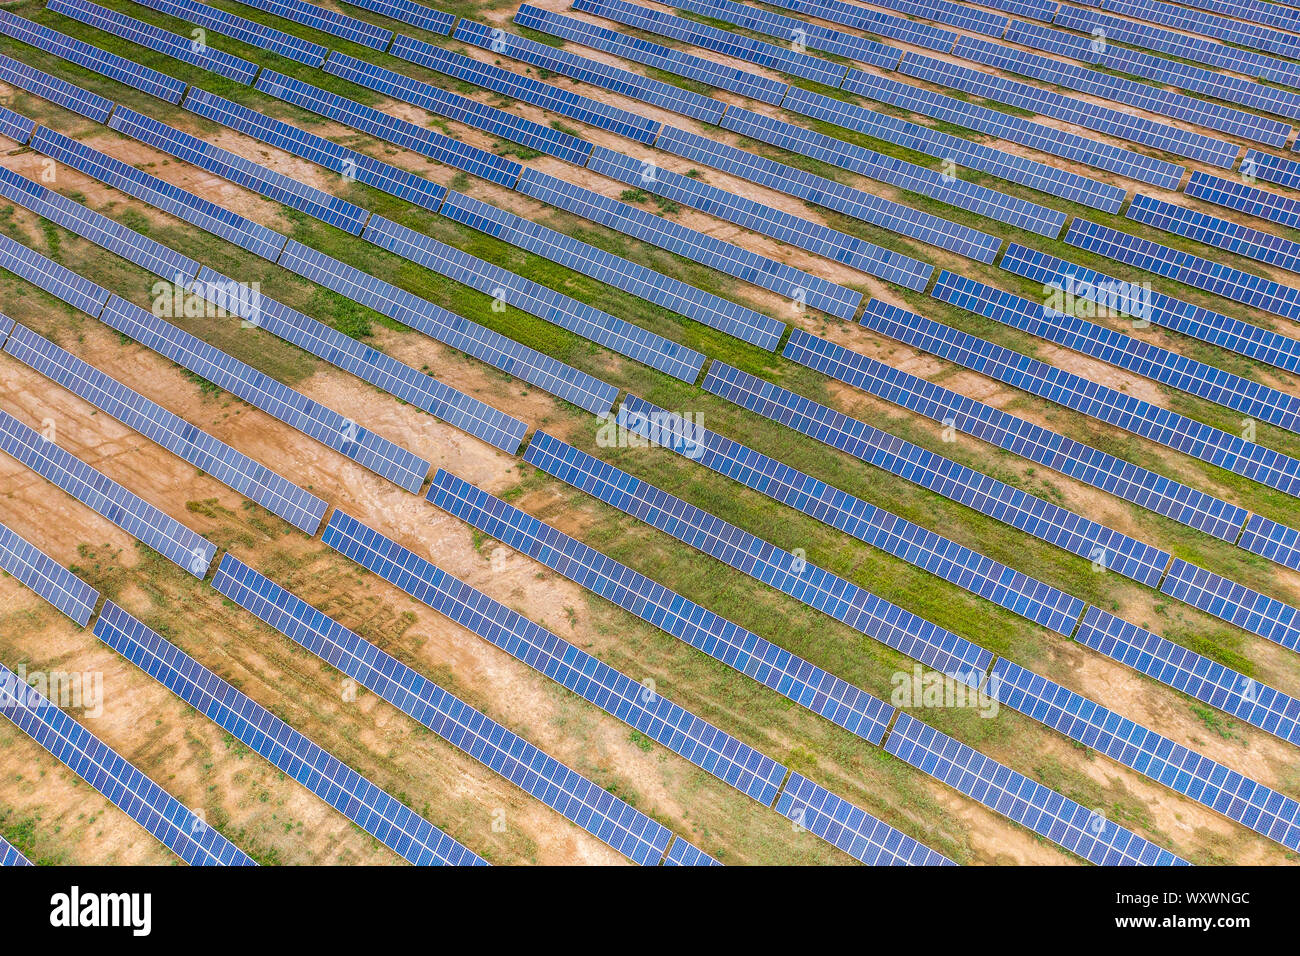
1020, 437
106, 497
791, 676
682, 853
1271, 540
92, 58
181, 48
1206, 781
1270, 14
301, 509
515, 291
597, 811
1271, 169
246, 31
1058, 818
74, 98
407, 11
1065, 529
1106, 295
16, 126
1251, 36
940, 11
177, 827
1234, 603
326, 21
940, 556
386, 819
1234, 194
786, 572
790, 28
1213, 231
10, 856
55, 279
49, 579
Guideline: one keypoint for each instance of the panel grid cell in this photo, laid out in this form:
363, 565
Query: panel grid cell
10, 855
1271, 540
682, 853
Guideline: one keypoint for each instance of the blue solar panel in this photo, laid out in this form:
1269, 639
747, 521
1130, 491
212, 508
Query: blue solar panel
726, 257
291, 407
1052, 523
1271, 169
1040, 136
16, 126
106, 497
1206, 781
509, 356
444, 149
615, 334
147, 35
182, 204
751, 555
97, 228
27, 563
1220, 233
962, 152
1247, 35
251, 479
624, 82
814, 808
92, 58
790, 28
176, 826
682, 853
1114, 296
1013, 795
1244, 198
804, 683
348, 162
60, 92
704, 307
1234, 603
940, 11
1024, 438
600, 813
658, 718
53, 278
778, 224
1194, 438
243, 172
254, 34
1272, 14
327, 21
9, 855
1197, 676
461, 109
837, 197
416, 14
1184, 267
1274, 541
410, 385
386, 819
931, 552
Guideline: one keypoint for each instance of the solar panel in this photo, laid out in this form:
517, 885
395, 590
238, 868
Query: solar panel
1234, 603
790, 28
1184, 267
962, 152
180, 203
241, 171
786, 572
597, 811
327, 21
402, 381
1206, 781
1013, 795
792, 677
55, 279
181, 48
301, 509
390, 822
1099, 342
1247, 35
106, 497
658, 718
1016, 435
16, 126
1213, 231
1193, 674
254, 34
447, 327
931, 552
444, 149
293, 408
461, 109
351, 164
528, 90
1271, 169
615, 334
9, 856
1274, 541
416, 14
1242, 197
57, 91
871, 841
1040, 136
49, 579
850, 14
704, 307
1116, 297
1056, 525
134, 75
97, 228
177, 827
726, 257
861, 205
682, 853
